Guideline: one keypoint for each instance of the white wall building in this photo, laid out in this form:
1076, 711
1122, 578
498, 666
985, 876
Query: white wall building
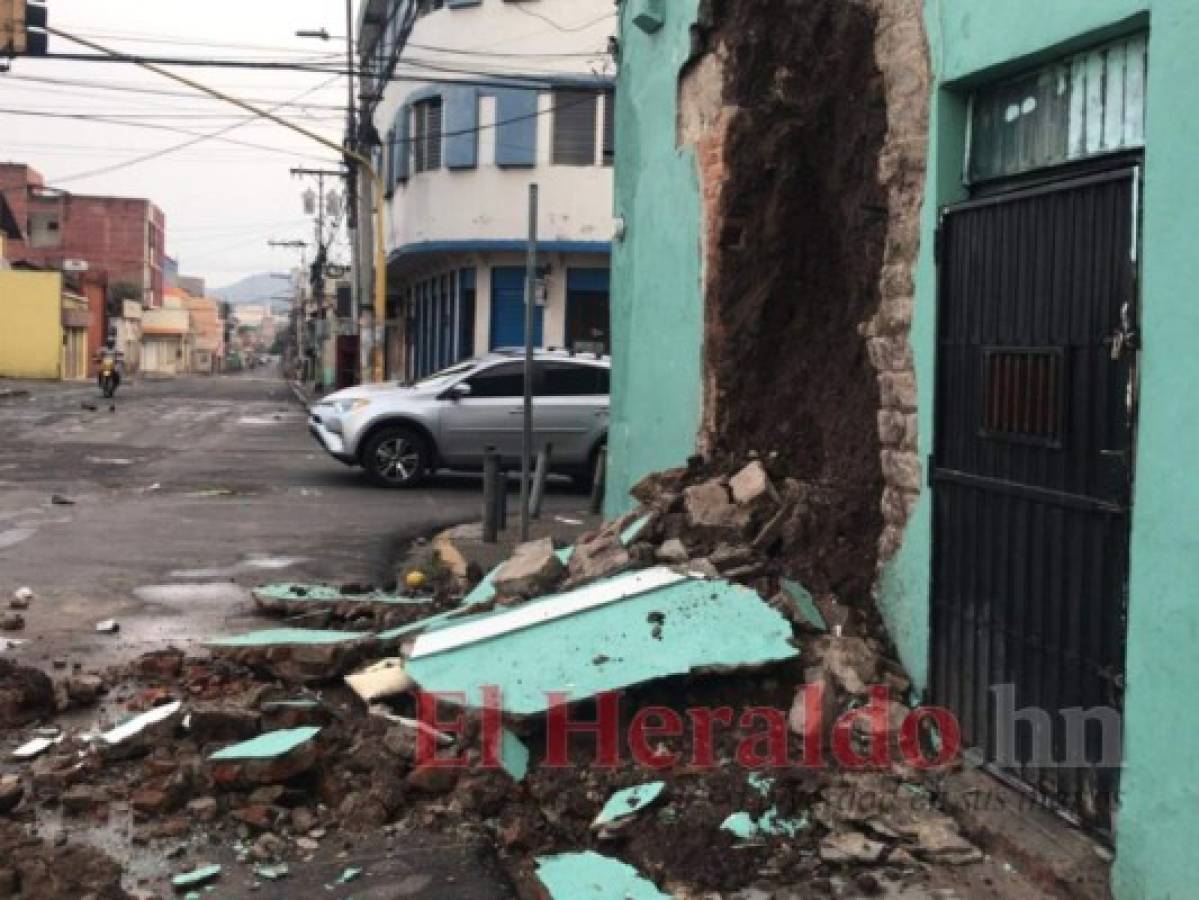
520, 93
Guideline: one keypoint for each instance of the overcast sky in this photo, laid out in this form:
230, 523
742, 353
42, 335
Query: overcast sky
222, 201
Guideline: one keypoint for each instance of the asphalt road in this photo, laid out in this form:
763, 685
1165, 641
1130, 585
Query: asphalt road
192, 490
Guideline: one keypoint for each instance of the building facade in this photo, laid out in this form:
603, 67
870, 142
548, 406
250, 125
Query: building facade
458, 154
121, 238
941, 270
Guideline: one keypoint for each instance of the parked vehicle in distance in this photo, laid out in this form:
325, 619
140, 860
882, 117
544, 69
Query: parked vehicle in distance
399, 434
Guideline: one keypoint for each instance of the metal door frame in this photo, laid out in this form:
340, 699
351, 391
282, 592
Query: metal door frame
1128, 166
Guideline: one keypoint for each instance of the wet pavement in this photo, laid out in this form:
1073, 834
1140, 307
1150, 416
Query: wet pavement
162, 512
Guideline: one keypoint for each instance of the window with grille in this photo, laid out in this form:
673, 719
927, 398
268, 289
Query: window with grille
574, 127
426, 135
1023, 395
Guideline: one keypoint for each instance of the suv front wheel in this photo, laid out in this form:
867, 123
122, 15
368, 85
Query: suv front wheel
396, 457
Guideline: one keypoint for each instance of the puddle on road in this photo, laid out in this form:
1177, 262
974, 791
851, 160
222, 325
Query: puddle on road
249, 564
14, 536
224, 592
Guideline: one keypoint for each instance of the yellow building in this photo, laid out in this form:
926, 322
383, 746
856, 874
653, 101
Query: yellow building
33, 339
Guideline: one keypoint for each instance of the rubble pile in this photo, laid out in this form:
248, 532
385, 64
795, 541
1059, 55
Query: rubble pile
681, 611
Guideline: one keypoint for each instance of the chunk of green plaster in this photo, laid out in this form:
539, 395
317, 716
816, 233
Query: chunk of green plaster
514, 756
667, 631
746, 827
269, 745
272, 873
630, 534
628, 802
281, 636
804, 603
589, 876
195, 877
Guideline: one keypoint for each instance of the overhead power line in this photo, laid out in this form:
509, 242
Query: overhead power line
158, 92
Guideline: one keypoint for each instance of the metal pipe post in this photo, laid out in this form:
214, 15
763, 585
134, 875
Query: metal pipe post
530, 301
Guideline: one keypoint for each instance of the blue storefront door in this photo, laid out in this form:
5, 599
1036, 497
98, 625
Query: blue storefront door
508, 309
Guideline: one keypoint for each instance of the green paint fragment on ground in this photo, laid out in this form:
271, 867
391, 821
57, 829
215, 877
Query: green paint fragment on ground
195, 877
590, 876
760, 782
630, 534
746, 827
514, 756
269, 745
348, 875
628, 802
279, 636
615, 646
804, 603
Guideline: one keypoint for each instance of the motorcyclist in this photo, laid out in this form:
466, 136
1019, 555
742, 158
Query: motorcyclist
109, 352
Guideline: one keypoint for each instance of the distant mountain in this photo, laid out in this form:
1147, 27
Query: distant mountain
255, 289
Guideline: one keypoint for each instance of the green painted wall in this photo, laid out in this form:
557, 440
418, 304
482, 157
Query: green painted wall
657, 305
1159, 813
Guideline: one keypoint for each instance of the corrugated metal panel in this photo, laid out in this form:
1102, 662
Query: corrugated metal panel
1084, 106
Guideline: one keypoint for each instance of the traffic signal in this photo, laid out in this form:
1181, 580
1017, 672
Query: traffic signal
23, 28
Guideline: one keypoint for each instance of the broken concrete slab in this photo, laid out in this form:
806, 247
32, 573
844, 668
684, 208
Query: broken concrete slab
271, 758
297, 655
708, 505
851, 847
533, 569
600, 638
672, 551
138, 734
590, 876
290, 598
625, 805
386, 678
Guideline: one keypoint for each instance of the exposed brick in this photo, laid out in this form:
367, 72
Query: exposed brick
897, 390
902, 470
890, 354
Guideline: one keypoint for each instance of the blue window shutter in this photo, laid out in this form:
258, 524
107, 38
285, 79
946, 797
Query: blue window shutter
461, 4
389, 161
516, 127
461, 127
403, 146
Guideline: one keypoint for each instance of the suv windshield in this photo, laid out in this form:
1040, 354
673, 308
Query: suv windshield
446, 374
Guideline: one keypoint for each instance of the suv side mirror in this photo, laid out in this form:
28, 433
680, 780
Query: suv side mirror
458, 391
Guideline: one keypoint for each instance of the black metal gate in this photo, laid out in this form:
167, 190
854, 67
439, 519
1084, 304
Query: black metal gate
1032, 478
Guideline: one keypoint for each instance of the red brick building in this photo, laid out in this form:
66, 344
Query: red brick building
120, 238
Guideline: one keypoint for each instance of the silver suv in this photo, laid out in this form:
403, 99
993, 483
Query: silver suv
401, 433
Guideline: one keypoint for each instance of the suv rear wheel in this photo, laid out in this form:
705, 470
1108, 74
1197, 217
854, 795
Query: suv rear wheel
396, 457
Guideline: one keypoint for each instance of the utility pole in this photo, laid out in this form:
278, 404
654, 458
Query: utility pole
530, 302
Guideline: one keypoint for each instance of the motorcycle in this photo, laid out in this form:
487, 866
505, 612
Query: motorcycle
109, 377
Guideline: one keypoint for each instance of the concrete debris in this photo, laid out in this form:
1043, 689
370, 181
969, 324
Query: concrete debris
21, 598
608, 621
533, 569
139, 734
11, 793
60, 500
271, 758
12, 621
590, 876
708, 505
298, 655
851, 848
85, 690
752, 484
213, 722
108, 626
672, 551
26, 695
386, 678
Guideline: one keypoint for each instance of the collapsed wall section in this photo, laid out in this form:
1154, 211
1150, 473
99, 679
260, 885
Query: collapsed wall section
809, 119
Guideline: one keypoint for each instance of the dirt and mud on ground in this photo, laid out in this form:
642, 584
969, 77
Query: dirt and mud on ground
335, 796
